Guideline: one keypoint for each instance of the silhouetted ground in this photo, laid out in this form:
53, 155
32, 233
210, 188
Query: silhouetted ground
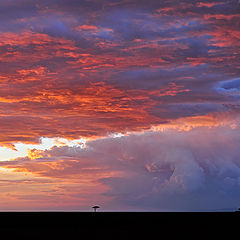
120, 225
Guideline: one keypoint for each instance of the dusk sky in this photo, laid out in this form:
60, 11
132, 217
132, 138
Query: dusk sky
132, 105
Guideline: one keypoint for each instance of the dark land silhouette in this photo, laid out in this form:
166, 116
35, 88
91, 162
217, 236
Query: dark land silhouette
120, 225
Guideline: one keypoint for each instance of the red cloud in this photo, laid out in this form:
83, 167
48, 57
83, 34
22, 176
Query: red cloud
35, 46
205, 4
52, 86
86, 27
84, 111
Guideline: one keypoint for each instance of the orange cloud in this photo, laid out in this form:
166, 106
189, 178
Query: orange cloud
212, 120
35, 154
23, 190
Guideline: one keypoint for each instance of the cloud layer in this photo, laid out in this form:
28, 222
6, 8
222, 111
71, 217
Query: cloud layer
89, 68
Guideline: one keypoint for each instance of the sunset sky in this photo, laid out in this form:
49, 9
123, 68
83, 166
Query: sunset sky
132, 105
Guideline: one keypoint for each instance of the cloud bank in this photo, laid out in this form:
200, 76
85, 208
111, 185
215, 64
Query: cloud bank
89, 68
196, 170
